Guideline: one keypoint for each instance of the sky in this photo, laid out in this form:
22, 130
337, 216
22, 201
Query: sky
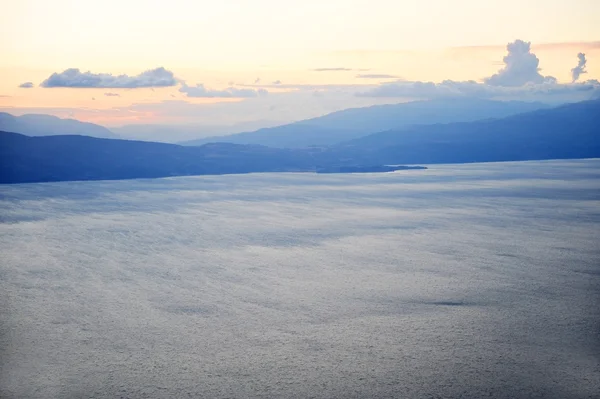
228, 62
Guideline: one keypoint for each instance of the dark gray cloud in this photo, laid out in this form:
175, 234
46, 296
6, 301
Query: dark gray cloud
341, 69
521, 66
74, 78
580, 68
376, 76
26, 85
112, 94
231, 92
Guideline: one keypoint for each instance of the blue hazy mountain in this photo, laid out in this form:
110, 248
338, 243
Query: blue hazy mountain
48, 125
179, 133
569, 131
352, 123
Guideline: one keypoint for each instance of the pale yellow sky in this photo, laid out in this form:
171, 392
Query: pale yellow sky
235, 41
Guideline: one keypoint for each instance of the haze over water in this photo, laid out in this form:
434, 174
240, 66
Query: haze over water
458, 281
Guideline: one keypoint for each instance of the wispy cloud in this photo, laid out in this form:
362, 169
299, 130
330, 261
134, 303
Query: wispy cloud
308, 86
74, 78
370, 52
539, 46
463, 52
201, 91
26, 85
338, 69
376, 76
112, 94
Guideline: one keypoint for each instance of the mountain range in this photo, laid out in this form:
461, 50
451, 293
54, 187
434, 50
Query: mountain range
169, 133
564, 132
325, 130
568, 131
352, 123
48, 125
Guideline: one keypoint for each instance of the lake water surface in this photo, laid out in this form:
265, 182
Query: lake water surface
461, 281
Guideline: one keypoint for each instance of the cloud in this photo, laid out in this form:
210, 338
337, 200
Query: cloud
521, 67
74, 78
231, 92
307, 86
471, 88
112, 94
331, 69
589, 45
257, 80
580, 68
409, 89
375, 76
290, 106
519, 77
26, 85
277, 82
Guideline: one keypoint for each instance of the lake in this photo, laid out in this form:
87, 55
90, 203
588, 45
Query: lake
460, 281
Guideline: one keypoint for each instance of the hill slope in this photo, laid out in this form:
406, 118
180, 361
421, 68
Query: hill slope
357, 122
568, 131
48, 125
57, 158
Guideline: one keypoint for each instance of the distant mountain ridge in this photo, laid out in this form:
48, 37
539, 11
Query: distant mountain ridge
326, 130
353, 123
179, 134
569, 131
48, 125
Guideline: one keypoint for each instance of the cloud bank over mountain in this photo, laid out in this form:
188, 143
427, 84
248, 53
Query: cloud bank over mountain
230, 92
520, 76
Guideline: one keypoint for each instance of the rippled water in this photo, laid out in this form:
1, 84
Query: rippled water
466, 281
